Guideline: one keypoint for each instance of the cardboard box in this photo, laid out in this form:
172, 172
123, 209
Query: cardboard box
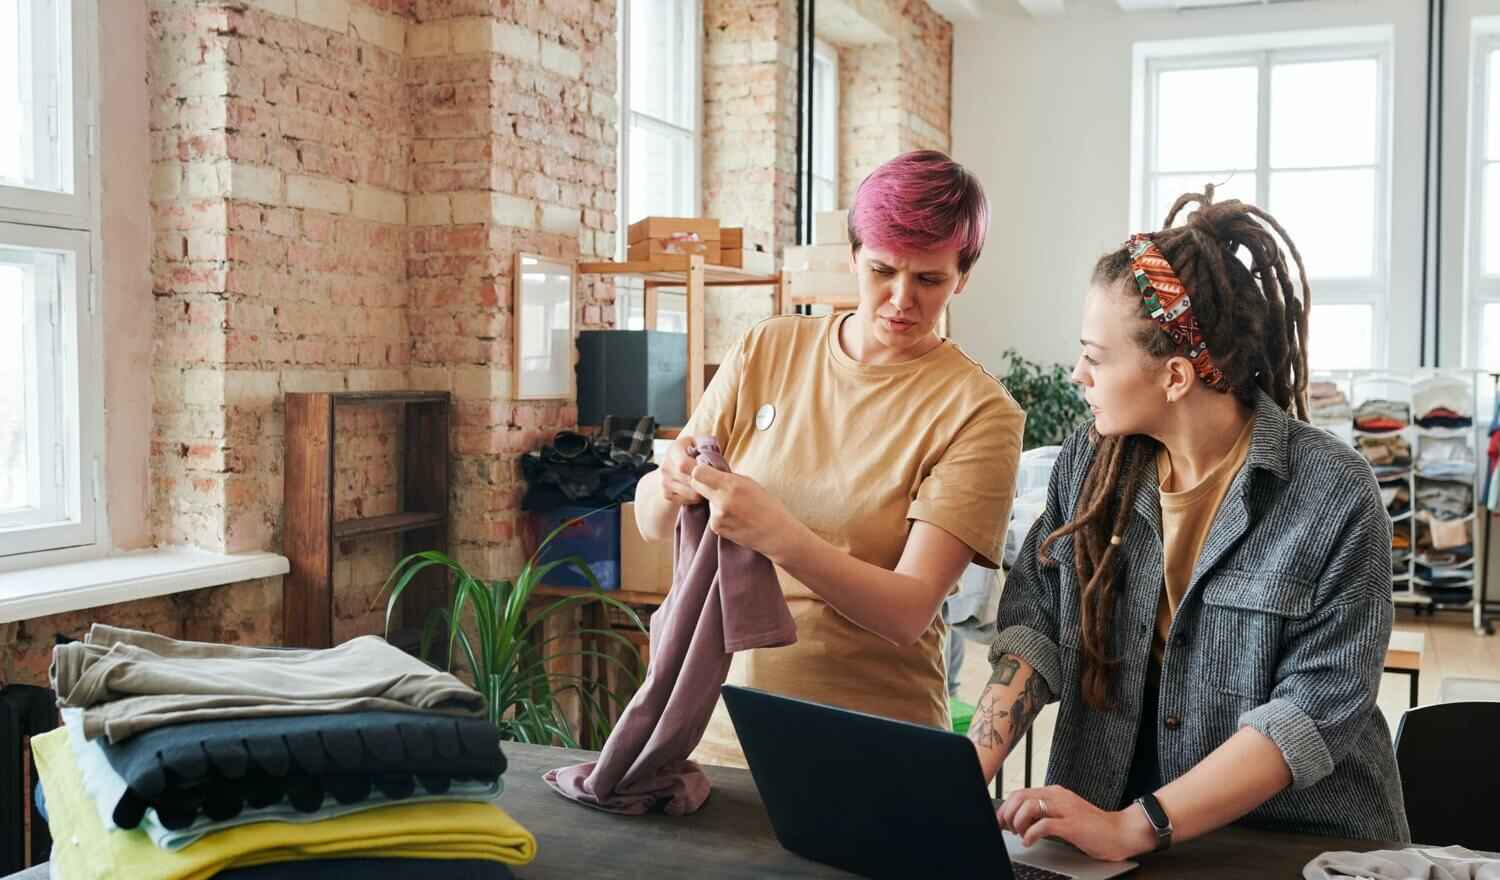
692, 228
644, 567
652, 249
831, 227
749, 259
816, 258
828, 285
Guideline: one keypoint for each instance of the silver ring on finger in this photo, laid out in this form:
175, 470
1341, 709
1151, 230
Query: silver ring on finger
1042, 805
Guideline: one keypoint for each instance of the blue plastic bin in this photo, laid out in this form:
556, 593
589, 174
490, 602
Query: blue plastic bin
595, 538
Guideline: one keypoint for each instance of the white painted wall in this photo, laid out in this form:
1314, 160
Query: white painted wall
1042, 111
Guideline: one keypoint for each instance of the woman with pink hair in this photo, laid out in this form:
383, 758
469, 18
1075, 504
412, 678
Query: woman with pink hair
872, 459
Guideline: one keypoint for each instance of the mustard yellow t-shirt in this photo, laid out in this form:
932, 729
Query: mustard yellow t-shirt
856, 452
1186, 517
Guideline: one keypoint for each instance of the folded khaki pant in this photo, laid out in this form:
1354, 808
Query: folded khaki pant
128, 681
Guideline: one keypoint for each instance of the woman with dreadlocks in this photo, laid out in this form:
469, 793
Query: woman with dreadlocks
1207, 594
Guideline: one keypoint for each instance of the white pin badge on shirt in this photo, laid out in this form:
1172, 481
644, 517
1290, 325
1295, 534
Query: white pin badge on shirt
764, 417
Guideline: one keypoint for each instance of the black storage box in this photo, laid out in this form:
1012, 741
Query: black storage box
632, 373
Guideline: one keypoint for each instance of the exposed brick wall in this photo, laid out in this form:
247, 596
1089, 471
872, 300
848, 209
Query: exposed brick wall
927, 78
514, 150
893, 97
750, 117
339, 188
869, 112
246, 613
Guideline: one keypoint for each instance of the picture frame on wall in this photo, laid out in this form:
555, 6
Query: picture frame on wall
543, 323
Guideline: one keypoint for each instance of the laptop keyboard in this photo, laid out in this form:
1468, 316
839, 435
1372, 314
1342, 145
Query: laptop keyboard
1032, 872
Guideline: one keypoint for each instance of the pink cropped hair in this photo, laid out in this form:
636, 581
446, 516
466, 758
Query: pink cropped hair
921, 201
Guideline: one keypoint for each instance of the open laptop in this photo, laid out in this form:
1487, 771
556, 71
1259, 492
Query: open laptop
885, 798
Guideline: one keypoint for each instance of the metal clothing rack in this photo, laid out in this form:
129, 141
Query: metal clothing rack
1409, 590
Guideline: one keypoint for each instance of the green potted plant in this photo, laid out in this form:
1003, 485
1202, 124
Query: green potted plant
1053, 406
504, 649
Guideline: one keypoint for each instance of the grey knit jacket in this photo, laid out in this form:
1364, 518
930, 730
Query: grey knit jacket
1284, 628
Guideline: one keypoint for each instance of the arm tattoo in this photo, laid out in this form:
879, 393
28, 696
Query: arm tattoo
986, 728
1034, 695
1005, 669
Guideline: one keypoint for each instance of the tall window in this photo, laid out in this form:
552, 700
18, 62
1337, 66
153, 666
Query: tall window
659, 110
1260, 125
1484, 223
820, 162
50, 411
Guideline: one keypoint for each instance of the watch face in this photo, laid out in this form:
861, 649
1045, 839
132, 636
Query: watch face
1156, 814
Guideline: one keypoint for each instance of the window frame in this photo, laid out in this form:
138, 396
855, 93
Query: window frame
71, 222
630, 117
1481, 289
1265, 52
826, 54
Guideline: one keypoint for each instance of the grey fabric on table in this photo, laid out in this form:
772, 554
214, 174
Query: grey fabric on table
1415, 863
128, 681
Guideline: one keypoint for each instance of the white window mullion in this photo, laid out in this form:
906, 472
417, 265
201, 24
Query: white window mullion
51, 408
1172, 140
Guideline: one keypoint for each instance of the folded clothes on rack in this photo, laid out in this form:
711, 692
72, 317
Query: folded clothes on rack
1397, 498
1382, 415
1445, 499
1445, 458
1327, 404
1448, 393
1392, 450
1442, 417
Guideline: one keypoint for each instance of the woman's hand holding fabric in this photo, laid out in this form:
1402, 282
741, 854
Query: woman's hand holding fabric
742, 511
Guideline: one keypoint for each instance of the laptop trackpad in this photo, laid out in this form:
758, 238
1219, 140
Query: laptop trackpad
1063, 859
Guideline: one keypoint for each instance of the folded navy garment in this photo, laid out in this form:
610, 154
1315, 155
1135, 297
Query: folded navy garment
218, 768
373, 869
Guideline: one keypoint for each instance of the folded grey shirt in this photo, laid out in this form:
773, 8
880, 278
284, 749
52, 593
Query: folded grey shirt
1415, 863
128, 681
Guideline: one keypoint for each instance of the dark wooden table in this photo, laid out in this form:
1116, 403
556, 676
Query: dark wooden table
731, 837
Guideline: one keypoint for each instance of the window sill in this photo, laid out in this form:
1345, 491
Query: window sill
56, 589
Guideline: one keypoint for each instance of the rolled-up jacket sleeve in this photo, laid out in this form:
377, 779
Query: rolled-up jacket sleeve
1331, 660
1027, 619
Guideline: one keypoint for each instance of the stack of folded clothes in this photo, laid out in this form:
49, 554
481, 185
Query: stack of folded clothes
1445, 551
1397, 498
1445, 458
1327, 405
1382, 415
1389, 455
184, 759
1443, 402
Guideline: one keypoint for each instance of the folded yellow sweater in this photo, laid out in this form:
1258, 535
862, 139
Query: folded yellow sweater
83, 849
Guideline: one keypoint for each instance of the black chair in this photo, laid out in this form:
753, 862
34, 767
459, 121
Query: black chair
1449, 773
25, 711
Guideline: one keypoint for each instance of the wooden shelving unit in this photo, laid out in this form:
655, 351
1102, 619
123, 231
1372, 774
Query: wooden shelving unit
310, 531
695, 276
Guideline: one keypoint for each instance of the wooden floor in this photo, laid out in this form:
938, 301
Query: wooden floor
1452, 648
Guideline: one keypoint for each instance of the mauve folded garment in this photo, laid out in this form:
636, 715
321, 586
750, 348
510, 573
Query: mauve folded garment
724, 598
